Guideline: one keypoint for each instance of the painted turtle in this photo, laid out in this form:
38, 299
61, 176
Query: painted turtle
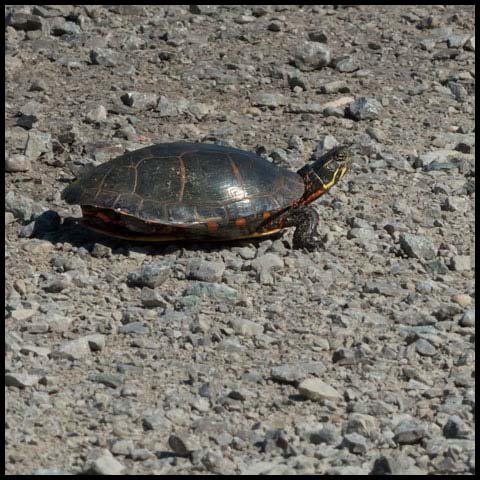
183, 191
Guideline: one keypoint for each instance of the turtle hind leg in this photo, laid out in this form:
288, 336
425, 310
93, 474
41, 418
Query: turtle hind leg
305, 219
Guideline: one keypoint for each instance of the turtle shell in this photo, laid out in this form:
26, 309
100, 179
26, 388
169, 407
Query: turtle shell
188, 186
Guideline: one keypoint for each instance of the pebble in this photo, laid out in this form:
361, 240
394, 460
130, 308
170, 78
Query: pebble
337, 86
206, 271
24, 21
167, 107
21, 380
96, 114
151, 276
364, 108
468, 319
395, 464
140, 100
263, 99
102, 462
73, 349
317, 390
17, 163
318, 36
425, 348
296, 372
346, 64
456, 428
122, 447
328, 434
107, 379
417, 246
23, 314
311, 56
183, 444
462, 299
152, 298
156, 422
246, 328
355, 443
455, 204
409, 432
54, 283
39, 143
213, 290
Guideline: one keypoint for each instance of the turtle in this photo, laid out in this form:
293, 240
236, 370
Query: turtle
206, 192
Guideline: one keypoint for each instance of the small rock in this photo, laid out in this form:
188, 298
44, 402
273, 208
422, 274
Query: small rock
335, 87
364, 108
97, 114
106, 57
17, 163
346, 64
457, 41
355, 443
311, 107
462, 299
21, 380
203, 9
137, 328
456, 428
468, 319
317, 36
102, 462
167, 107
22, 314
156, 422
140, 101
152, 298
150, 276
108, 379
395, 464
38, 143
213, 290
54, 283
200, 110
297, 79
246, 328
207, 271
24, 21
73, 349
456, 204
36, 351
461, 263
409, 432
416, 246
316, 390
273, 100
311, 56
122, 447
425, 348
470, 44
328, 434
295, 372
183, 444
274, 26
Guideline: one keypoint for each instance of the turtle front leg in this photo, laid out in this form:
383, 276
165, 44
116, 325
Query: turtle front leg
305, 219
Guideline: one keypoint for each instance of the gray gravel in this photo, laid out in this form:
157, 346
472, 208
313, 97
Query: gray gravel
251, 357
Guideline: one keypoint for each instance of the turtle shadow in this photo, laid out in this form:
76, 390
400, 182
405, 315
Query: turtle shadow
49, 227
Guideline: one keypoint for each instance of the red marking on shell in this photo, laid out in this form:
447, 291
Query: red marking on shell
240, 222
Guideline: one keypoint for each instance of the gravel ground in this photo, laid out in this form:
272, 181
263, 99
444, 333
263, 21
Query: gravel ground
252, 357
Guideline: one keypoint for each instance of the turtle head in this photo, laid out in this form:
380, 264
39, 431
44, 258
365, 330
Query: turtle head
325, 172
